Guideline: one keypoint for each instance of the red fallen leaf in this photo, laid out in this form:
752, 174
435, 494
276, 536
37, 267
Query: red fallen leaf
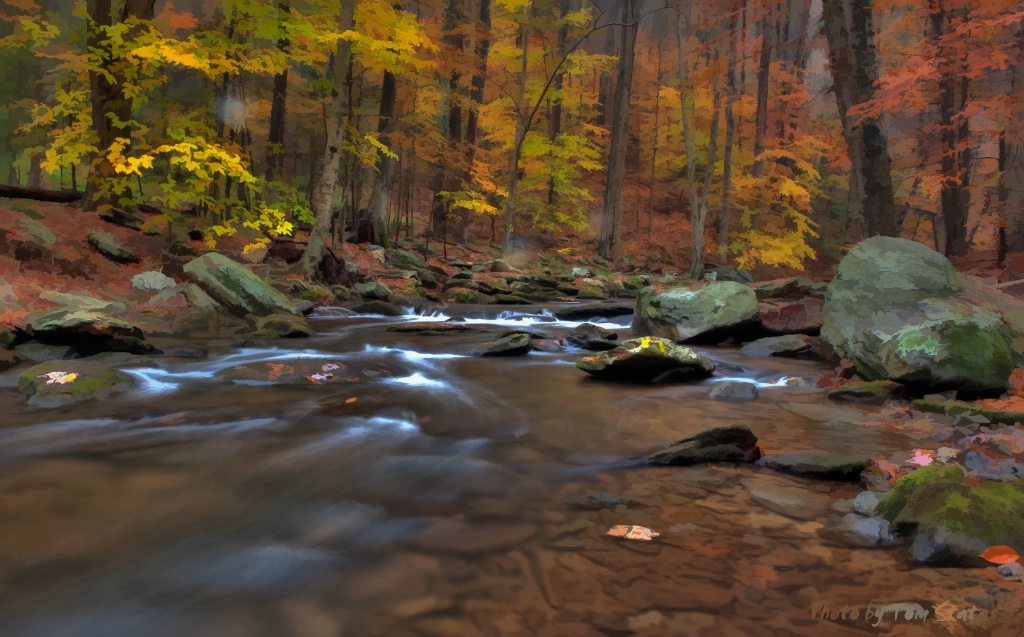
349, 401
973, 481
1000, 555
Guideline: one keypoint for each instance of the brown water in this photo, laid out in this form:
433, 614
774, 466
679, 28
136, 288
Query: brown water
440, 503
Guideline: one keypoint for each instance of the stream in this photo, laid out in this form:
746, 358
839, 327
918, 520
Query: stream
446, 499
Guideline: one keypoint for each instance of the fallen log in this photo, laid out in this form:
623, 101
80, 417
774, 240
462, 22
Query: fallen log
39, 194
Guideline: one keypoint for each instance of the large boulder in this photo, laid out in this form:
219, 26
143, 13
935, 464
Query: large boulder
897, 310
65, 383
152, 281
404, 260
236, 288
88, 331
712, 311
647, 359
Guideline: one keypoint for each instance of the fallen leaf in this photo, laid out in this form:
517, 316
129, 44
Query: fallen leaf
59, 378
317, 378
330, 367
633, 532
351, 400
1000, 555
922, 458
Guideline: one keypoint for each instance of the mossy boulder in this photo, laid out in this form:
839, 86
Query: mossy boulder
236, 288
647, 359
933, 502
467, 296
957, 407
711, 311
382, 308
897, 309
373, 291
511, 345
868, 392
284, 325
47, 386
107, 245
88, 331
404, 260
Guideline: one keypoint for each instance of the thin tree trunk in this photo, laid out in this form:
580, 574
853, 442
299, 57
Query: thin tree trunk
1012, 177
447, 178
517, 145
654, 150
279, 101
730, 131
951, 195
476, 94
611, 221
380, 198
763, 69
555, 117
338, 117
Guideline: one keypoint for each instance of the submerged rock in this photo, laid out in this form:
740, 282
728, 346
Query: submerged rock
647, 359
825, 466
792, 345
306, 371
431, 328
236, 288
65, 383
733, 391
593, 337
513, 345
715, 310
872, 392
733, 443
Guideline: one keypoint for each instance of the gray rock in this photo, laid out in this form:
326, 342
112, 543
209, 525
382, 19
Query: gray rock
236, 288
811, 464
404, 260
857, 530
792, 502
944, 546
790, 345
872, 392
593, 337
40, 352
1012, 571
582, 273
728, 273
514, 345
111, 248
285, 326
88, 331
733, 443
373, 291
501, 266
152, 281
733, 391
865, 503
684, 314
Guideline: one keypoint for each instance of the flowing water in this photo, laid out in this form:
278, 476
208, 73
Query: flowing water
443, 500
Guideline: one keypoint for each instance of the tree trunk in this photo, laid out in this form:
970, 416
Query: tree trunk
111, 108
763, 71
654, 150
1012, 178
448, 176
279, 101
854, 63
555, 117
476, 94
730, 131
380, 198
611, 221
517, 144
337, 119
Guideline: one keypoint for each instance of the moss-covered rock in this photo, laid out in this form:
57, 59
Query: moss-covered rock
47, 385
373, 291
512, 345
404, 260
236, 288
957, 407
110, 247
647, 359
733, 443
686, 314
88, 331
467, 296
382, 308
868, 392
284, 325
934, 499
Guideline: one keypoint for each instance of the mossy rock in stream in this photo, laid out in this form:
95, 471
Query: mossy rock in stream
957, 407
90, 381
647, 359
933, 502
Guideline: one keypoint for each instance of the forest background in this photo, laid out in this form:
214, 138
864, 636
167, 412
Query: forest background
764, 133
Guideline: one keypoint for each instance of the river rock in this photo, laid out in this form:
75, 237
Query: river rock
870, 392
733, 443
728, 273
373, 291
513, 345
152, 281
236, 288
825, 466
110, 247
792, 502
860, 531
713, 311
790, 345
933, 500
548, 345
792, 287
8, 359
382, 308
647, 359
306, 371
593, 337
92, 381
41, 352
592, 311
895, 308
284, 325
800, 316
467, 296
88, 331
731, 391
